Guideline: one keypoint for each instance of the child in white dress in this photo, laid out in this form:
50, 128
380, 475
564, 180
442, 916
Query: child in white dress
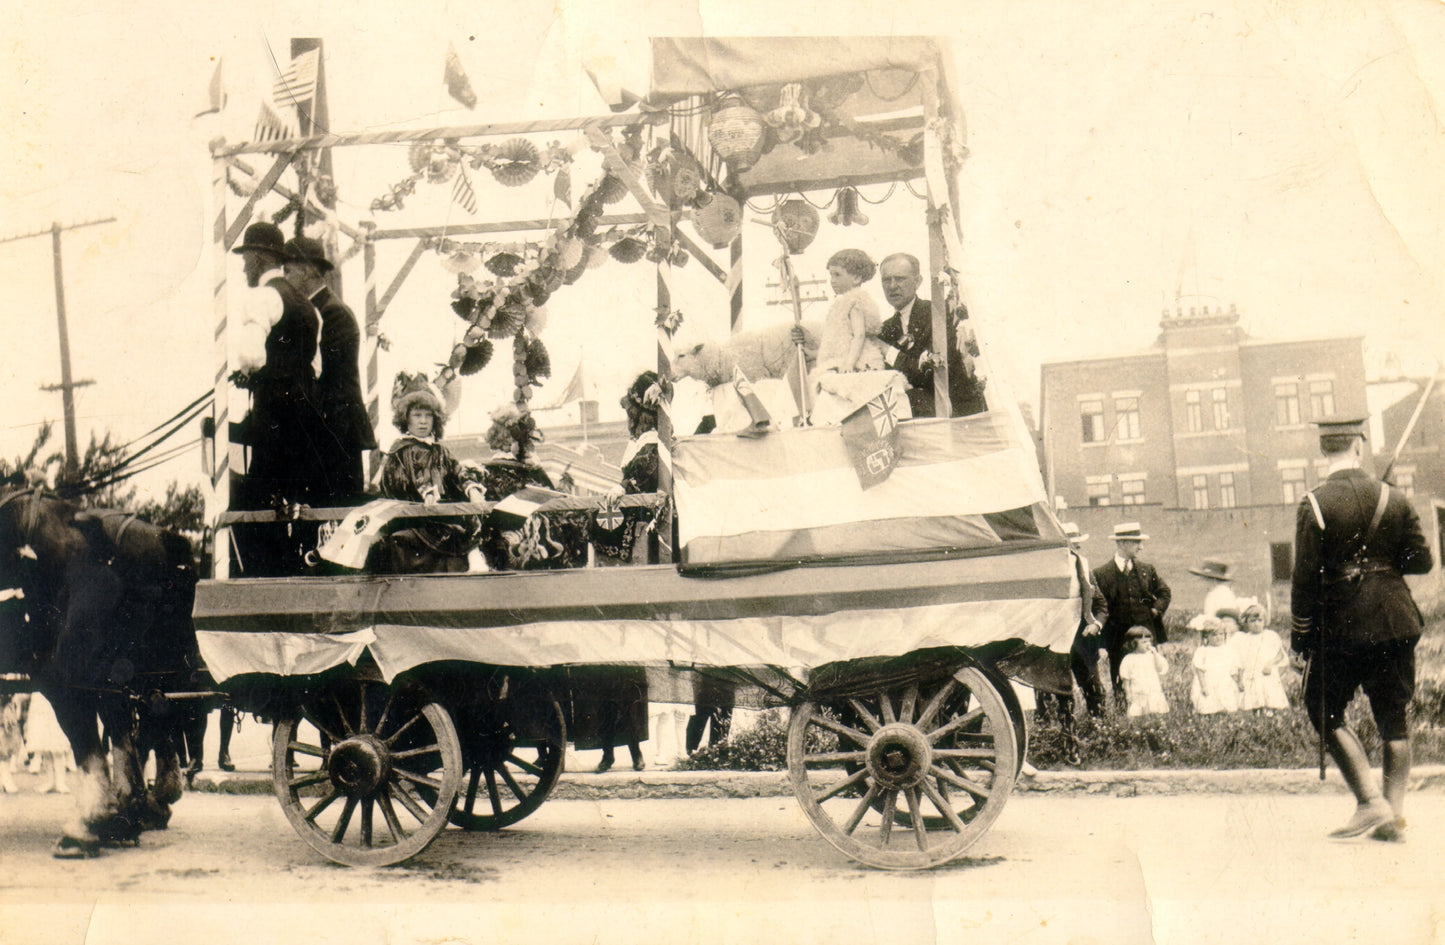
1262, 659
849, 341
1140, 671
1217, 669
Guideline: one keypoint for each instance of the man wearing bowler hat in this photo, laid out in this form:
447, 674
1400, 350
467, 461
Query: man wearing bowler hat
346, 429
1355, 621
274, 346
1132, 595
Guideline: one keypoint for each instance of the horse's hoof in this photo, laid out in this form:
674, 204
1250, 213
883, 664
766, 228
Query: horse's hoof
74, 848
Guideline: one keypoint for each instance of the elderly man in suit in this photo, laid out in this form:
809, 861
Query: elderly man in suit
347, 433
907, 335
1355, 538
1130, 594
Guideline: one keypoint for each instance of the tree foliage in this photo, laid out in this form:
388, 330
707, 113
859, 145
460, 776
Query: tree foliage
100, 483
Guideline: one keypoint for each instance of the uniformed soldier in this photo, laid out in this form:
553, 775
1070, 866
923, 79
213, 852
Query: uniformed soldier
1356, 622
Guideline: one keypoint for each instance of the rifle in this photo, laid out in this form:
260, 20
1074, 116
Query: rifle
1410, 427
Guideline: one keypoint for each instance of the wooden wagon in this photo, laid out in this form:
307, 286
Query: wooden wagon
886, 613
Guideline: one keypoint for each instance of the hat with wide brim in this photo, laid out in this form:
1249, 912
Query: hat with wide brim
1212, 569
1129, 531
265, 238
1071, 532
304, 249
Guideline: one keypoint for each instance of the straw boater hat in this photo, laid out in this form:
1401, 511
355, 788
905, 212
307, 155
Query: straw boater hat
304, 249
1212, 569
1129, 531
1071, 532
263, 237
414, 390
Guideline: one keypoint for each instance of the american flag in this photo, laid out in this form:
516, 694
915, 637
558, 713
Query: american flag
462, 192
271, 126
296, 85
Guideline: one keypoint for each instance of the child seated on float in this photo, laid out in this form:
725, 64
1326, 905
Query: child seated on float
418, 468
1140, 671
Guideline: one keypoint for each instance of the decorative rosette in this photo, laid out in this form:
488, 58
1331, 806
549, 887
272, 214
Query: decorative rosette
504, 264
628, 250
517, 161
477, 357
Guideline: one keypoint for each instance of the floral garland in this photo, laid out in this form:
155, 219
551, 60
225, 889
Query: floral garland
512, 163
512, 303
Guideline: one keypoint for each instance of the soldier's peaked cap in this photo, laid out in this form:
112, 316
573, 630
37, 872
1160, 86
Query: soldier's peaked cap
1342, 426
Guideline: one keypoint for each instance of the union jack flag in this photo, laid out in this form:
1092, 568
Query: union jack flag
884, 412
609, 515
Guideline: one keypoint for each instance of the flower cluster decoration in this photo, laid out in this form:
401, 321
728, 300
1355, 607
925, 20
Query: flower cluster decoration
512, 163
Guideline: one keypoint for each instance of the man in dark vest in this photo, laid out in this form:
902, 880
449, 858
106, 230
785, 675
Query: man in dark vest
1355, 620
346, 429
908, 338
275, 342
1132, 595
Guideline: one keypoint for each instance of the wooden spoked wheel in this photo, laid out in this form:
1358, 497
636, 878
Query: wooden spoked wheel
367, 772
511, 773
917, 773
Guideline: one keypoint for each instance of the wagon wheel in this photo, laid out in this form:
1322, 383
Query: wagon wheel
920, 777
367, 772
513, 775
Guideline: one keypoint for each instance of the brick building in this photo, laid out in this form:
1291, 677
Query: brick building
1205, 418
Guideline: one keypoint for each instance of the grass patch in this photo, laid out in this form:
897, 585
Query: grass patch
1180, 739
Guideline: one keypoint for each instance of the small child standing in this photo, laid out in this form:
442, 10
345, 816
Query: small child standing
1217, 669
1261, 657
1140, 671
850, 331
46, 741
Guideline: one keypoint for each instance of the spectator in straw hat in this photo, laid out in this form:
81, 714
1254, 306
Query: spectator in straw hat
1131, 594
346, 428
1220, 595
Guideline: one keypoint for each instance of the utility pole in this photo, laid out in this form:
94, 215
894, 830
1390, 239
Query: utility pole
67, 385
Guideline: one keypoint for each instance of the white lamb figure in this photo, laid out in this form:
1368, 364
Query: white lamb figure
763, 353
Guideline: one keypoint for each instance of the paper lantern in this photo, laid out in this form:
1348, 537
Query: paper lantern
719, 220
797, 222
736, 132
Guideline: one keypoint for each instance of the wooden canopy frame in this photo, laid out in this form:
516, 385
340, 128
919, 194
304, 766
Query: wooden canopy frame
935, 117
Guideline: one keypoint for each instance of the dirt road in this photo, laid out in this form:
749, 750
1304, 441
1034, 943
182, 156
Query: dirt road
1187, 869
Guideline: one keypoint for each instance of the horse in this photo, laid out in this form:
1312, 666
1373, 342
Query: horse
106, 631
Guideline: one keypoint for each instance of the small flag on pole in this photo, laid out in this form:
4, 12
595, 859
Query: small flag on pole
458, 85
574, 389
215, 93
270, 126
297, 84
462, 193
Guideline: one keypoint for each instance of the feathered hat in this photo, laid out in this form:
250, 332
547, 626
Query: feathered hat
414, 390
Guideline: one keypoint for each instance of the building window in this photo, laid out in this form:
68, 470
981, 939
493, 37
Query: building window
1221, 408
1201, 492
1193, 412
1091, 412
1286, 404
1322, 398
1098, 493
1226, 490
1126, 413
1405, 482
1281, 561
1293, 478
1131, 491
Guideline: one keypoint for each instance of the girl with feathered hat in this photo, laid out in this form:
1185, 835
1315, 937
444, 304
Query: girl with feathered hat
418, 468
